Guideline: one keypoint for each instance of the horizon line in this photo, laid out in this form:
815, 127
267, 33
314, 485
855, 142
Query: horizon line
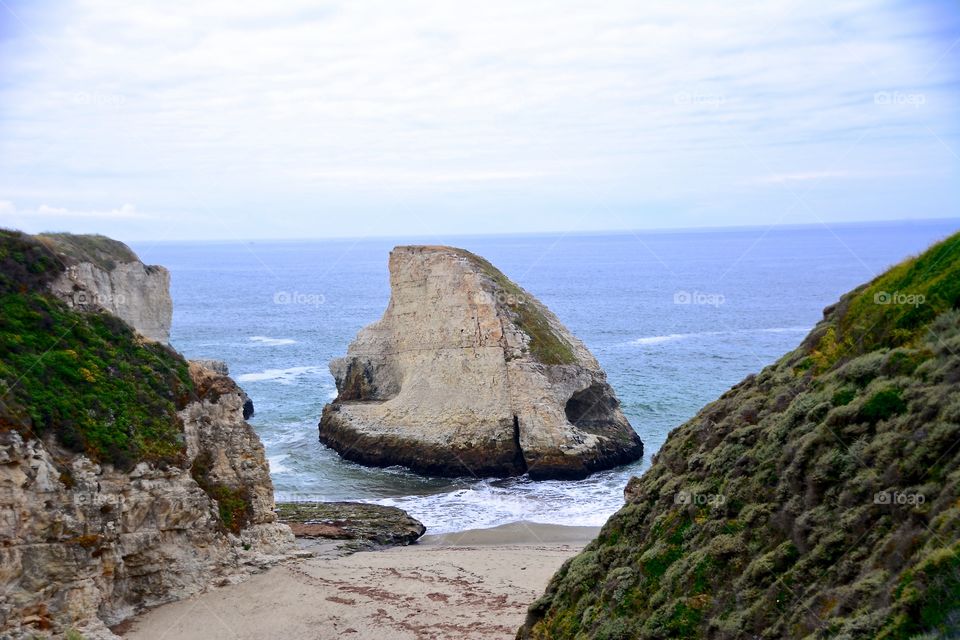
579, 232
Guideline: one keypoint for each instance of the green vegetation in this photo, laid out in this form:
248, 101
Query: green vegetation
833, 478
895, 308
234, 503
545, 345
25, 265
882, 405
86, 378
100, 250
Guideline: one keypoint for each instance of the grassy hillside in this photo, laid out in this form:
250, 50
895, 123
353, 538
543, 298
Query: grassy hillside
817, 499
100, 250
87, 381
85, 378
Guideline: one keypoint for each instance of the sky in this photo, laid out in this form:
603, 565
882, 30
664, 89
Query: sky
216, 119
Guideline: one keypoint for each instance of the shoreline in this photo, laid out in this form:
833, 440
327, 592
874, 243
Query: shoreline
474, 584
518, 532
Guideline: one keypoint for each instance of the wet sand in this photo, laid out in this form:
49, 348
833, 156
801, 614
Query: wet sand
469, 585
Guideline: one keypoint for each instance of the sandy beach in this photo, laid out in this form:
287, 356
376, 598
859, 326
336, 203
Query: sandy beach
469, 585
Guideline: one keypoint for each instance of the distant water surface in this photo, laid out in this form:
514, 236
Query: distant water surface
675, 318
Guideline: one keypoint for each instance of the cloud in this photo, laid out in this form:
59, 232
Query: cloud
372, 176
124, 212
247, 108
783, 178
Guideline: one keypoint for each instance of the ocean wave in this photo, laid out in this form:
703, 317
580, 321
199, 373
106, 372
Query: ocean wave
672, 337
271, 342
276, 463
486, 505
283, 376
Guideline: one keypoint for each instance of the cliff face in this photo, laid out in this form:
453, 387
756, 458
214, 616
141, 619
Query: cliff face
817, 499
128, 476
468, 374
104, 273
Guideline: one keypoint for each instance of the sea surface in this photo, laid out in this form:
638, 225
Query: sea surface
674, 317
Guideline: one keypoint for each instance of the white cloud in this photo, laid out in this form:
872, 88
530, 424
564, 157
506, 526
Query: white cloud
783, 178
248, 108
124, 212
371, 176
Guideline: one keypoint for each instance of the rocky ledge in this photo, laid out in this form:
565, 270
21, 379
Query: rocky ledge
365, 524
467, 374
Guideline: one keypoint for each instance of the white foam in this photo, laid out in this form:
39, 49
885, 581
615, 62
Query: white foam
276, 463
283, 376
484, 505
271, 342
647, 340
671, 337
786, 330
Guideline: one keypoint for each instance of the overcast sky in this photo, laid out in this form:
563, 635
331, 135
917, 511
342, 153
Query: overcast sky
216, 119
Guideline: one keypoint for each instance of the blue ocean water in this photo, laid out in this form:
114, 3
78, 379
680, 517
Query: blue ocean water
674, 317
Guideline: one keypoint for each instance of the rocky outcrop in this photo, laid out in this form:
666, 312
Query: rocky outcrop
219, 366
468, 374
128, 477
85, 545
104, 273
364, 524
815, 499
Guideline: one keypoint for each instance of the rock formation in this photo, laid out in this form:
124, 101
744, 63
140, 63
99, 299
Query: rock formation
128, 477
219, 366
104, 273
468, 374
366, 526
815, 499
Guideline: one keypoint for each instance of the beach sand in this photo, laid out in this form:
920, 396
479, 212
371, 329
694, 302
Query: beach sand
474, 584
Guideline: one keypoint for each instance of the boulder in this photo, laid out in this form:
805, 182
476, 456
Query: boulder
467, 374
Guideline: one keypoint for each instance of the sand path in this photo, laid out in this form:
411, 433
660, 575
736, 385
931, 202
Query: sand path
465, 586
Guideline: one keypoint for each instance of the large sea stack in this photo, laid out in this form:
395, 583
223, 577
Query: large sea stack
467, 374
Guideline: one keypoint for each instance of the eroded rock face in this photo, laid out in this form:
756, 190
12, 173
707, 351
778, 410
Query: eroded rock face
219, 366
104, 273
467, 374
84, 545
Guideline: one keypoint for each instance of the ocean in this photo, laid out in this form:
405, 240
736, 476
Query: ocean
674, 317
